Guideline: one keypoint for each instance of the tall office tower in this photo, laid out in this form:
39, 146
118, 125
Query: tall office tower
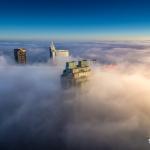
20, 55
52, 50
60, 53
75, 73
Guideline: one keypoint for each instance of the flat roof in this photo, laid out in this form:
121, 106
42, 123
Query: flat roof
63, 50
22, 49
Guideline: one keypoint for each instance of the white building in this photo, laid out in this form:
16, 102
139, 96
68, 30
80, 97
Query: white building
54, 52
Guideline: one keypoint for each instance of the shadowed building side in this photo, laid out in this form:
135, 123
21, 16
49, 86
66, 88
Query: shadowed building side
20, 55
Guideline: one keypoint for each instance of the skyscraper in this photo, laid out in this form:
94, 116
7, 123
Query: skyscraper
75, 73
20, 55
52, 50
60, 53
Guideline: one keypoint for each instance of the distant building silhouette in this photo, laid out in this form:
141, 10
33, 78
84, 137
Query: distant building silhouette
20, 55
54, 52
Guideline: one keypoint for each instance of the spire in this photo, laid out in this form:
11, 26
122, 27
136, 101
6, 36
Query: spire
52, 46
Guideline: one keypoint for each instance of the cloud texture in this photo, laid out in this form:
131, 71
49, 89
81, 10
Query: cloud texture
109, 112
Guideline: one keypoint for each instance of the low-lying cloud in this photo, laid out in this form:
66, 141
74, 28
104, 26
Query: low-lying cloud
109, 112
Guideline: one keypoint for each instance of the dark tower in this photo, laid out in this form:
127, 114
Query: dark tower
20, 55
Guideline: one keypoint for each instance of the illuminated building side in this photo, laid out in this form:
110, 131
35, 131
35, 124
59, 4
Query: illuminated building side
20, 55
60, 53
75, 73
52, 50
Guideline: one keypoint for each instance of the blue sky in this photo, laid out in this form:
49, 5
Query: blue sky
75, 19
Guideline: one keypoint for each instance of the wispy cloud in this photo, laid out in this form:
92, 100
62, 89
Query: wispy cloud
110, 111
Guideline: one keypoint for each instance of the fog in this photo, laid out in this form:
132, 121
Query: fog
109, 112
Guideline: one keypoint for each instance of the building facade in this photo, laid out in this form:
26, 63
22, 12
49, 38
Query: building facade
57, 53
75, 73
20, 55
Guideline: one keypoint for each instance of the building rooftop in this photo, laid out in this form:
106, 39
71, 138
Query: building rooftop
54, 52
75, 73
22, 49
63, 50
76, 69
